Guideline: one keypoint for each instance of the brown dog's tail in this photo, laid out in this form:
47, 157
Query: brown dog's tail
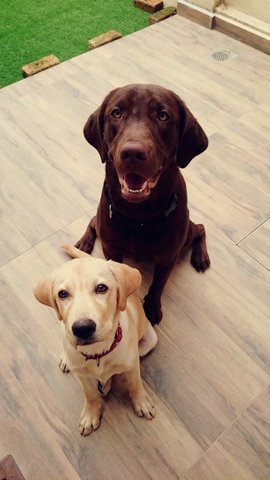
73, 252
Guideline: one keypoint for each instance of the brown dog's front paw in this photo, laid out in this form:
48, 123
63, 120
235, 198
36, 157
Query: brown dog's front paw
200, 259
152, 310
85, 244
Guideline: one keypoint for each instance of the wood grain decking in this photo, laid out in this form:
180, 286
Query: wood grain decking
210, 373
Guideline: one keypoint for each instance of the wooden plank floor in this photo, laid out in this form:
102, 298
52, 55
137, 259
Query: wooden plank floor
210, 373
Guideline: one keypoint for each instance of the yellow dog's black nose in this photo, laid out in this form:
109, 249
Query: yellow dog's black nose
84, 328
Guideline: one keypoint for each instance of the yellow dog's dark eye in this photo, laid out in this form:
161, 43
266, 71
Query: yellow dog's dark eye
163, 116
63, 294
101, 288
116, 113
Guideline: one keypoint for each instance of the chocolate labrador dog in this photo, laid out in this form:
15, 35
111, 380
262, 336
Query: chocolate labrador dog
143, 134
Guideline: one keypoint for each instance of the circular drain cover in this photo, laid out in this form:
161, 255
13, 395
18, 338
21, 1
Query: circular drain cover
221, 56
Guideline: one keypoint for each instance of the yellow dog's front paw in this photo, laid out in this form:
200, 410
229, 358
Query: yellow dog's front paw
144, 407
63, 363
90, 419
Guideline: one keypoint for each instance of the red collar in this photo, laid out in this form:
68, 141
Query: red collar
117, 338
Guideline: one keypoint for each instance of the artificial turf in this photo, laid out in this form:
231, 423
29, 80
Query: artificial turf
31, 29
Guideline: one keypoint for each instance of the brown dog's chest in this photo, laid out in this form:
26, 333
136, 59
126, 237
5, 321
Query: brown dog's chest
146, 240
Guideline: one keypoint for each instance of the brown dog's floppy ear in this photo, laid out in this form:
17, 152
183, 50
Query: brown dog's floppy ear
94, 128
43, 292
128, 279
93, 132
193, 139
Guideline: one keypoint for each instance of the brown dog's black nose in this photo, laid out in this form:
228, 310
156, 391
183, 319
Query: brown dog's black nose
133, 151
84, 328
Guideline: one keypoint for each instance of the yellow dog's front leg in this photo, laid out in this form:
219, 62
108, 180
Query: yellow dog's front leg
142, 403
91, 413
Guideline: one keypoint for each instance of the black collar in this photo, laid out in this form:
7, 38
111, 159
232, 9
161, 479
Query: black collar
114, 214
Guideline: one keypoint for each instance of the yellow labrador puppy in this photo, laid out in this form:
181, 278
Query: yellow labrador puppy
105, 329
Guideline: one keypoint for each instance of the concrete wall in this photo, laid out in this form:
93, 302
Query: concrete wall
256, 8
259, 9
207, 4
245, 20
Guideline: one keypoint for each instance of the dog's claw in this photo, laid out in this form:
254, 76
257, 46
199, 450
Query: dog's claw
63, 364
145, 408
200, 263
104, 388
87, 427
86, 242
90, 420
85, 245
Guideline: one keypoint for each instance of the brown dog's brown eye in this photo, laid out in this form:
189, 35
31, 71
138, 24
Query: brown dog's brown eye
101, 288
116, 113
63, 294
163, 116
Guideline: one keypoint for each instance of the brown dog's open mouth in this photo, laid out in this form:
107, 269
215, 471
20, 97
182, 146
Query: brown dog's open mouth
136, 188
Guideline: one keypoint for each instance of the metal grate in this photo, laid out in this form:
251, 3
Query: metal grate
221, 55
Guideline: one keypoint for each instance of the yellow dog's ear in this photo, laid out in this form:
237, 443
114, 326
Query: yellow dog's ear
43, 292
128, 279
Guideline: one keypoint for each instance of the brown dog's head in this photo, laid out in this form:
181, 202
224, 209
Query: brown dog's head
87, 293
141, 129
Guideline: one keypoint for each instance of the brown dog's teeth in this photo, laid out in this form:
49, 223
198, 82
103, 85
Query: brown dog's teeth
130, 190
134, 190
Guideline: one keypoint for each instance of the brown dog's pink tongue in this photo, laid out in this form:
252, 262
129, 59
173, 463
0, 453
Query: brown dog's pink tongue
133, 181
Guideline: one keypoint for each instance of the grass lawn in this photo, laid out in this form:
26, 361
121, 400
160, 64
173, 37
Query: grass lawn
31, 29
